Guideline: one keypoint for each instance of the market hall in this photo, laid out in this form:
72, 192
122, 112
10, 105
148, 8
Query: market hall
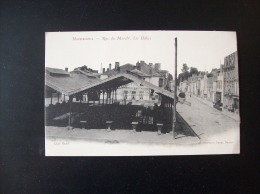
89, 102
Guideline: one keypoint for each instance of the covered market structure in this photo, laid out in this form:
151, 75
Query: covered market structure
102, 109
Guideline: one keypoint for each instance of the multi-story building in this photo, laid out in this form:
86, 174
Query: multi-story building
133, 92
183, 86
219, 85
200, 84
193, 84
189, 81
205, 87
231, 84
171, 85
210, 87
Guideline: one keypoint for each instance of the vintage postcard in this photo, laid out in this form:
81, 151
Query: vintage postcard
139, 93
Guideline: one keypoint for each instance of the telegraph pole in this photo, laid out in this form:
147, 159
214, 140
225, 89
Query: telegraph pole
175, 93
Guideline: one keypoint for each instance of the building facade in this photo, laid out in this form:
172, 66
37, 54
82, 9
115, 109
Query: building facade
138, 94
231, 83
210, 87
220, 85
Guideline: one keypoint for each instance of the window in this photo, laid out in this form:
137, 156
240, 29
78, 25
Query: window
141, 95
161, 82
133, 95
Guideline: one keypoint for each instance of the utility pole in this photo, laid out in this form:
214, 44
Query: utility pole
175, 93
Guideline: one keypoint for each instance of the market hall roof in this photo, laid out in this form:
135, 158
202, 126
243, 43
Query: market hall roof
75, 83
67, 82
56, 71
118, 80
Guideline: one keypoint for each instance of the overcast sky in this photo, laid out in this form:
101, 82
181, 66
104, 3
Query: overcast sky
200, 49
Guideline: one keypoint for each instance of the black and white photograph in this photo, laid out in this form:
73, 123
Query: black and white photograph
138, 93
129, 96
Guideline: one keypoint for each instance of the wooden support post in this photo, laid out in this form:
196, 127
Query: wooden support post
107, 97
64, 97
103, 96
112, 96
149, 96
70, 102
51, 97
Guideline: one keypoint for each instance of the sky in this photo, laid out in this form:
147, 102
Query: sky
200, 49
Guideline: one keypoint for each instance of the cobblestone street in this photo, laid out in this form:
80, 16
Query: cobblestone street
208, 122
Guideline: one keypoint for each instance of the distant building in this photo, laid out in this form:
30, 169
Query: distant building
171, 85
210, 87
231, 83
200, 84
90, 74
219, 85
136, 93
183, 86
205, 87
193, 84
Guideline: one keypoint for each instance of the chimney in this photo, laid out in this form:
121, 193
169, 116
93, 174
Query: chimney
104, 69
116, 66
107, 69
110, 66
67, 69
157, 66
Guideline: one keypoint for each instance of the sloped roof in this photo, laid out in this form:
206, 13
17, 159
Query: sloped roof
57, 71
67, 84
139, 73
123, 68
79, 83
90, 74
157, 75
119, 80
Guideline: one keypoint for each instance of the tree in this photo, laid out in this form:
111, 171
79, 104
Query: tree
184, 75
193, 70
185, 68
170, 77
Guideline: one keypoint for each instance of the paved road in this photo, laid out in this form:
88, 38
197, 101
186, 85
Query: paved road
208, 122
